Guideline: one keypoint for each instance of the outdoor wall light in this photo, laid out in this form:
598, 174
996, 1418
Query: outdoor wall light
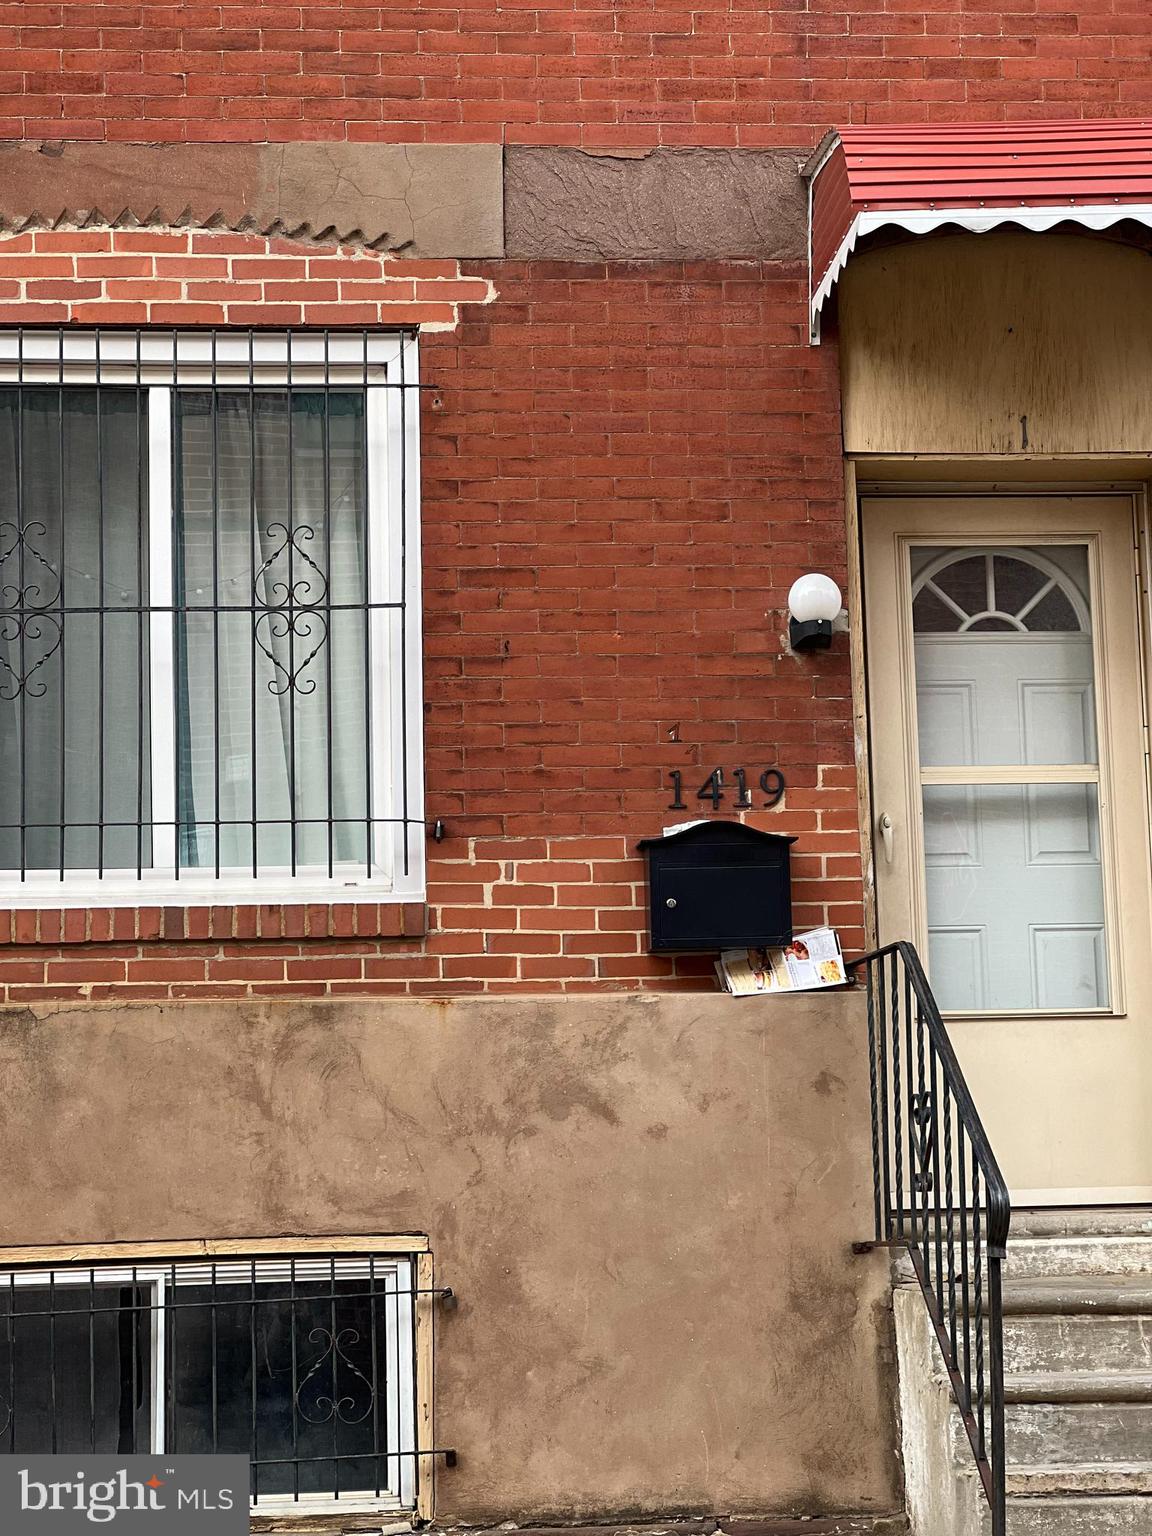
813, 602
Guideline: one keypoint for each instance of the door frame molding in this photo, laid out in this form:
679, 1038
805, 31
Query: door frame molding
942, 475
1129, 561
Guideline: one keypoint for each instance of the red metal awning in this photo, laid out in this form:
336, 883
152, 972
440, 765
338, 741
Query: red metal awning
975, 175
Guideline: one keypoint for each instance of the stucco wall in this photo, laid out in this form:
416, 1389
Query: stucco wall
646, 1204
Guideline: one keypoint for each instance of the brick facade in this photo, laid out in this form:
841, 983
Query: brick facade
625, 465
595, 74
186, 278
611, 524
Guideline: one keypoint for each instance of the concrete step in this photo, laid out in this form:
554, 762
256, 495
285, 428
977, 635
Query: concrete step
1102, 1295
1089, 1480
1063, 1516
1078, 1383
1068, 1434
1070, 1386
1072, 1434
1112, 1255
1073, 1342
1083, 1221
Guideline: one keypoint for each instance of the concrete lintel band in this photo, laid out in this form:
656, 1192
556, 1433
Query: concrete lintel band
422, 199
654, 205
449, 200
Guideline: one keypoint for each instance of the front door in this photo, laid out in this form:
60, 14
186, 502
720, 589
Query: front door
1011, 816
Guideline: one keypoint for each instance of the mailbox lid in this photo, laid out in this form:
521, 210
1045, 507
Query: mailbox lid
719, 885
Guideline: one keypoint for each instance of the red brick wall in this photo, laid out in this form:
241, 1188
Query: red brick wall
624, 469
675, 72
630, 468
181, 277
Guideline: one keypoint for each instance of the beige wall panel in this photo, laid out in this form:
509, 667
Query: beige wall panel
646, 1205
997, 343
426, 199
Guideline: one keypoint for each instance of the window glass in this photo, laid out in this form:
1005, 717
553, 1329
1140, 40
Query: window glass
314, 1366
964, 581
956, 591
1053, 612
75, 1368
74, 641
305, 1366
207, 692
273, 631
1015, 581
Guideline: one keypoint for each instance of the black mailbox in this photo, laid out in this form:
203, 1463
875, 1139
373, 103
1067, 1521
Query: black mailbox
719, 885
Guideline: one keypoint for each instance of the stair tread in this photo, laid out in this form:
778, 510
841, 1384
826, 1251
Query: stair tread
1098, 1386
1083, 1221
1083, 1256
1085, 1478
1092, 1514
1100, 1294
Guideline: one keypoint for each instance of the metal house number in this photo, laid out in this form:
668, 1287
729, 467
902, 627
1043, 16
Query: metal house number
771, 783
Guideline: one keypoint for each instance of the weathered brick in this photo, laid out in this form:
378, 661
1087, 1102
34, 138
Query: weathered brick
600, 553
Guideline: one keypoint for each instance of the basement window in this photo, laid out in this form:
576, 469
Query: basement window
306, 1364
209, 618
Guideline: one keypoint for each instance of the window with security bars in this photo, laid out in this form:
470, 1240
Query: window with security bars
307, 1365
209, 621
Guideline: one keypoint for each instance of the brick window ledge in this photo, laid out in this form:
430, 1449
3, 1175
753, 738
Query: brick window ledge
115, 925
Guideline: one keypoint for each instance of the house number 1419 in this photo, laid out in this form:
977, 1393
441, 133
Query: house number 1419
771, 783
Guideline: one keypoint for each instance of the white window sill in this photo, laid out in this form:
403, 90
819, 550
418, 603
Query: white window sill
47, 892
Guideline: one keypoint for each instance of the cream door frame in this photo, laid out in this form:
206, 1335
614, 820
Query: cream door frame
1110, 523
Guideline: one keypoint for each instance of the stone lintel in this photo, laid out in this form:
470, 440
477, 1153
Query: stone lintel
654, 205
422, 199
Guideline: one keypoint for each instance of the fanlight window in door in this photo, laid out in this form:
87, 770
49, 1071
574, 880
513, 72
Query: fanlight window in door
1010, 777
1003, 590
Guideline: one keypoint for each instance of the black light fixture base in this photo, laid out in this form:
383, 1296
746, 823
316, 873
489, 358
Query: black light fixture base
812, 635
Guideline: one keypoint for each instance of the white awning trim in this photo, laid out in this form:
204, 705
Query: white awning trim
922, 221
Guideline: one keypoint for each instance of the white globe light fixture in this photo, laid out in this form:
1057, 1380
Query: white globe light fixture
813, 602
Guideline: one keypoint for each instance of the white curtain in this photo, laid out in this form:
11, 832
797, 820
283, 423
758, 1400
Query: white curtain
272, 717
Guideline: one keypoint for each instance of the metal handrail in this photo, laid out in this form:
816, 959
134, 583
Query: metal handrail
939, 1193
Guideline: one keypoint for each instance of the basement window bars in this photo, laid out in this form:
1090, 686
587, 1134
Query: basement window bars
305, 1365
209, 617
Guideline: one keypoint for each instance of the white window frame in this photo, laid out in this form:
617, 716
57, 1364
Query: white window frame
159, 362
399, 1276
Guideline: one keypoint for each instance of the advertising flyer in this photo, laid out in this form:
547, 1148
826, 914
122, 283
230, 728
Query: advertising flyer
812, 960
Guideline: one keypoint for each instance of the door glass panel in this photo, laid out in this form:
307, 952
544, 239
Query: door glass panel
1003, 643
1005, 678
1015, 896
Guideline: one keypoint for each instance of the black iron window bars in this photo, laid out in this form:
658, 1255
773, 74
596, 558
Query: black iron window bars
307, 1365
209, 616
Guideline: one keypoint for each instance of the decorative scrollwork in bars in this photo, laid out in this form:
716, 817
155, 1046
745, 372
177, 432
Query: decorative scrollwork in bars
29, 610
923, 1142
289, 610
341, 1408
